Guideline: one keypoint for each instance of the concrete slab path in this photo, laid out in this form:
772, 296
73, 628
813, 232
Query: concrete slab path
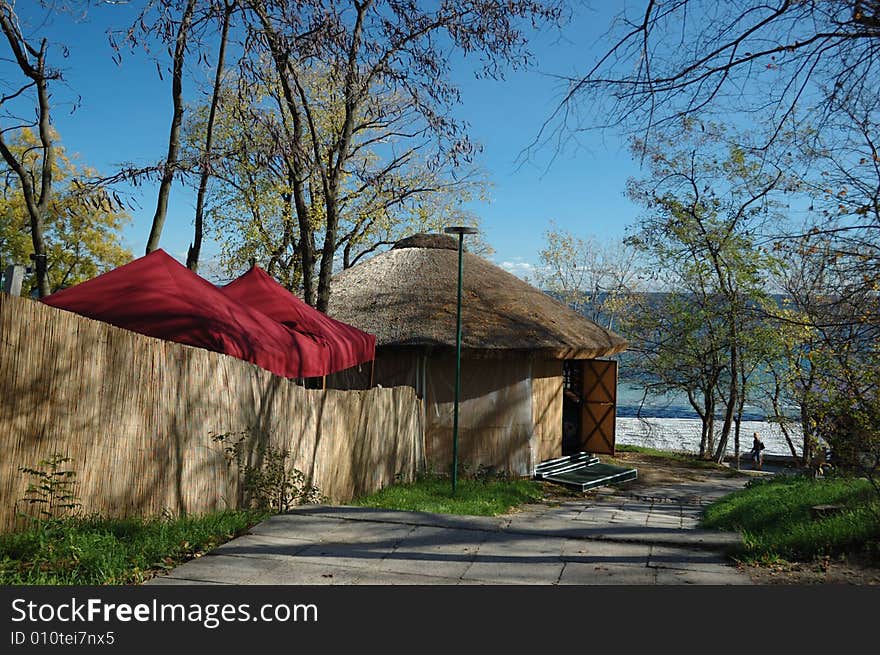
607, 537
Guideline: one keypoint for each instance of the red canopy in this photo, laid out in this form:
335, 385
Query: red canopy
347, 345
157, 296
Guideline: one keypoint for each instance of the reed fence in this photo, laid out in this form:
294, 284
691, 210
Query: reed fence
138, 417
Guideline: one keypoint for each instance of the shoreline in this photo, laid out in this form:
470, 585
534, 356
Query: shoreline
683, 435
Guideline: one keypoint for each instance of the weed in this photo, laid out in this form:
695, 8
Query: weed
53, 493
266, 481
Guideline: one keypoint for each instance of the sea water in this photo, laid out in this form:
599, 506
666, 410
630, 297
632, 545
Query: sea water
668, 422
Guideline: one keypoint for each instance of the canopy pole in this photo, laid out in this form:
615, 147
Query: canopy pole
372, 371
457, 371
460, 231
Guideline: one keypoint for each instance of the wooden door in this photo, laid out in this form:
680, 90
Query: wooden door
599, 406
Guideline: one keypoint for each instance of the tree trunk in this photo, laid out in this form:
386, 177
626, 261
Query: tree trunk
733, 392
35, 216
37, 207
779, 416
306, 243
174, 134
737, 421
337, 158
736, 440
710, 432
704, 432
326, 270
192, 255
346, 255
40, 263
703, 413
809, 439
298, 172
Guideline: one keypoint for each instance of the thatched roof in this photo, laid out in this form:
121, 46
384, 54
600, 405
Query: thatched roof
407, 297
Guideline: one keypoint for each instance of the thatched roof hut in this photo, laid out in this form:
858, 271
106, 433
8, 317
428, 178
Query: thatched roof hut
515, 339
407, 297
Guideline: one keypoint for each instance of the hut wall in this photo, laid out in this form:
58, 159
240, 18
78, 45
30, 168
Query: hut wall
510, 414
138, 417
495, 426
547, 390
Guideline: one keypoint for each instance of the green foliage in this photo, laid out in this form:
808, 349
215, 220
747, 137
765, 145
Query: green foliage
706, 200
776, 519
847, 417
380, 199
98, 551
487, 495
53, 493
266, 481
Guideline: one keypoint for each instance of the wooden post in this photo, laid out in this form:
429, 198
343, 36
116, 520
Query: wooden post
13, 278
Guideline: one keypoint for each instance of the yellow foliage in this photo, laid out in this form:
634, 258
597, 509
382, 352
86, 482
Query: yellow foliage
82, 227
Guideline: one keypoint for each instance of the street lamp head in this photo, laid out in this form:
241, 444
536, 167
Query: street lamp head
460, 229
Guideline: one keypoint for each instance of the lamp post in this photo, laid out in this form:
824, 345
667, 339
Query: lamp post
460, 231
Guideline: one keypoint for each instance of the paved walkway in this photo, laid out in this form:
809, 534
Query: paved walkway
610, 536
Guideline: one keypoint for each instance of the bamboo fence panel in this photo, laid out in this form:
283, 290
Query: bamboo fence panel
547, 390
138, 417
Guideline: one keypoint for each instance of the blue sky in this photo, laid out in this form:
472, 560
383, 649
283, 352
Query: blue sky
124, 112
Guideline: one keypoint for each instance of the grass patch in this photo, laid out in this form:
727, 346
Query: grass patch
626, 448
685, 459
775, 518
99, 551
474, 497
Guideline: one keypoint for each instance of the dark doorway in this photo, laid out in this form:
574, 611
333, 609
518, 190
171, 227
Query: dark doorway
572, 384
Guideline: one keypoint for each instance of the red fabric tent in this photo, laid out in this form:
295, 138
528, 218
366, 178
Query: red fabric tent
347, 345
157, 296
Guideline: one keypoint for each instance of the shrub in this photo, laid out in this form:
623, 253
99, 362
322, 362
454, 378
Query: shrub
53, 493
266, 481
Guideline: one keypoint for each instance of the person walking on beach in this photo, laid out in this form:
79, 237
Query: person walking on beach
757, 451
